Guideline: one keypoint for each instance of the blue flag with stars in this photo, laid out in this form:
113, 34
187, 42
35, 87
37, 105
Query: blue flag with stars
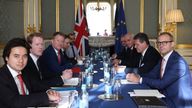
120, 26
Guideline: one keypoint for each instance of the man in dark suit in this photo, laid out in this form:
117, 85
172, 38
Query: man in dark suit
150, 56
33, 69
16, 91
129, 55
172, 75
120, 54
52, 62
66, 45
72, 51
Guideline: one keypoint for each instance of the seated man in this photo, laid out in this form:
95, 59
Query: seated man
71, 51
121, 53
65, 50
52, 62
129, 55
33, 70
149, 55
16, 91
171, 75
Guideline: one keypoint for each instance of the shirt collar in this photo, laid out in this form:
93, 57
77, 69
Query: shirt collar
166, 57
34, 57
143, 53
131, 48
56, 51
13, 72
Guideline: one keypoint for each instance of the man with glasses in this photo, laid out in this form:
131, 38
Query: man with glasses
172, 75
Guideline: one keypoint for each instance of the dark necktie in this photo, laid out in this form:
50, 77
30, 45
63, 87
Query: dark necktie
141, 59
38, 65
21, 84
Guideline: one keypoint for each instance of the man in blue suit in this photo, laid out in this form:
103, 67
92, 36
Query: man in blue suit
33, 70
172, 75
52, 61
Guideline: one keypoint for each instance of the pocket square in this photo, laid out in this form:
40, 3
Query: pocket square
142, 64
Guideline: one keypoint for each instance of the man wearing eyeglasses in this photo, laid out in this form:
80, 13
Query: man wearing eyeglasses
172, 74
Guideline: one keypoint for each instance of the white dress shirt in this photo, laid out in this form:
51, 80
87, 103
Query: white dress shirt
34, 58
15, 74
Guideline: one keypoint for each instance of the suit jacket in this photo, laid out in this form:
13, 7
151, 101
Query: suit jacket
123, 53
10, 97
32, 71
130, 58
176, 83
68, 59
49, 63
150, 59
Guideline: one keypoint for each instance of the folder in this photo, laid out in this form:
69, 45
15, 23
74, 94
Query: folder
148, 102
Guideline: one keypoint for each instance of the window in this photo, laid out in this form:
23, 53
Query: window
99, 20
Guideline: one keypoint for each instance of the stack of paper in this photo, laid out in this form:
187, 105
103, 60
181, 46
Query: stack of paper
146, 92
72, 82
124, 81
67, 98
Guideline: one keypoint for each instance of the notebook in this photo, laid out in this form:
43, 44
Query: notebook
148, 102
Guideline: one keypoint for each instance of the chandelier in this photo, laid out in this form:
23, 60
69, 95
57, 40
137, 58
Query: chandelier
98, 7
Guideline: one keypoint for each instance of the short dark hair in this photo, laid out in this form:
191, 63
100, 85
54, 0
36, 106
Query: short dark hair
58, 33
67, 37
166, 33
32, 35
142, 37
71, 34
15, 42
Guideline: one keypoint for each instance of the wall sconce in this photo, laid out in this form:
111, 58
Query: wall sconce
172, 18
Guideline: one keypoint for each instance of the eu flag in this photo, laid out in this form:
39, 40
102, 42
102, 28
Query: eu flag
120, 26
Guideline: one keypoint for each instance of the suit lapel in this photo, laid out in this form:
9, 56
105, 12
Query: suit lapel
32, 63
53, 53
10, 79
170, 59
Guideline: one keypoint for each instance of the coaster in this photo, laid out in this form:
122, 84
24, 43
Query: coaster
95, 71
107, 98
95, 85
110, 97
101, 80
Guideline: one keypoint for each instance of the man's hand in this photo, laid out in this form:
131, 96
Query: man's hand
116, 62
114, 56
67, 74
133, 77
53, 96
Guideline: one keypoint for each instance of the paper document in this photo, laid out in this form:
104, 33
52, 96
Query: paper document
121, 69
72, 81
67, 98
146, 92
124, 81
63, 88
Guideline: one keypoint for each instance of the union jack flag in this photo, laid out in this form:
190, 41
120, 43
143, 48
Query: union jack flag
81, 31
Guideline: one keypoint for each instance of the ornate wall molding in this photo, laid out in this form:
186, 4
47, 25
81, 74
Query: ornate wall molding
32, 16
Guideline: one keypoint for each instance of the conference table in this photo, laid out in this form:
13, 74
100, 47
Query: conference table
125, 102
